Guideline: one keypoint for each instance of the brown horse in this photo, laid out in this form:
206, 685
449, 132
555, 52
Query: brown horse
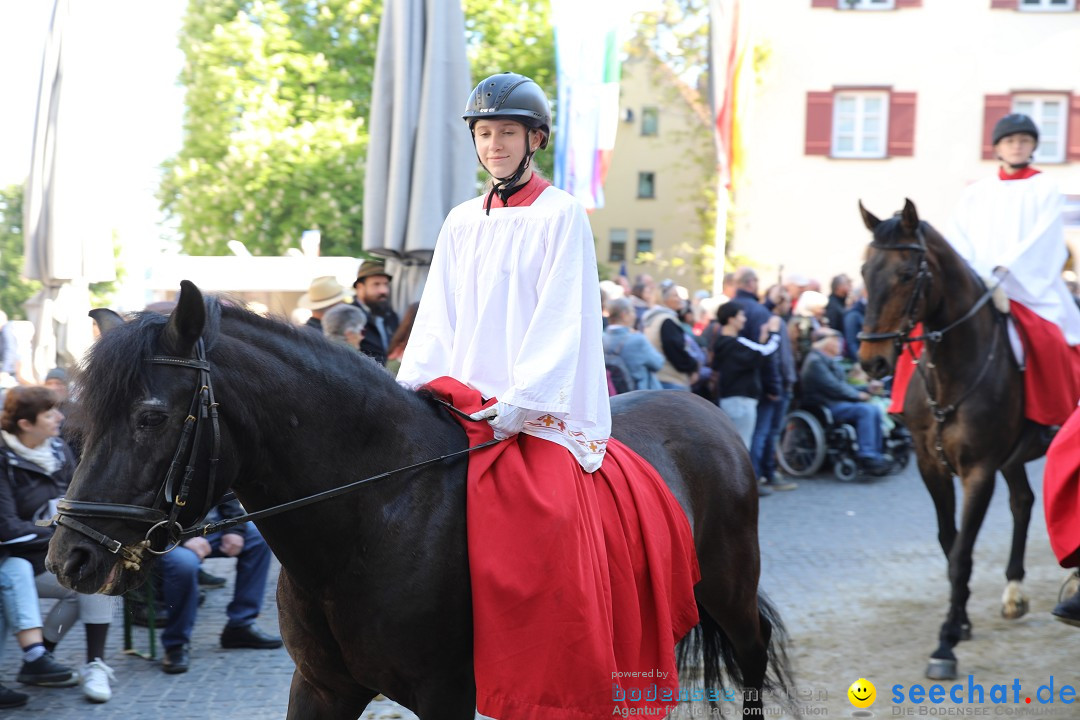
364, 608
964, 406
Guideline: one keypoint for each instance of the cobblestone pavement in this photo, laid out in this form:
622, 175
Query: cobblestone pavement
854, 569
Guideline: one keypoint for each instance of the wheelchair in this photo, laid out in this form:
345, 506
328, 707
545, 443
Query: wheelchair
811, 437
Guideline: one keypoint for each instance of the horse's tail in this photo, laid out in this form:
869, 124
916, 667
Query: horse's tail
779, 680
707, 647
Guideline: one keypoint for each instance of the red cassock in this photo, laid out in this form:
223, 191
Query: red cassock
1061, 493
1051, 380
582, 583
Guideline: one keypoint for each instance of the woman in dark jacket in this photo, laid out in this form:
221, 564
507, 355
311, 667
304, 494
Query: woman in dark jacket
35, 469
737, 360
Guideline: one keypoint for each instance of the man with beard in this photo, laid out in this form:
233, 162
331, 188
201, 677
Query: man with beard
373, 297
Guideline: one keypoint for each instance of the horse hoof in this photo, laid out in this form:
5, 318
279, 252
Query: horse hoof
1015, 610
965, 631
941, 669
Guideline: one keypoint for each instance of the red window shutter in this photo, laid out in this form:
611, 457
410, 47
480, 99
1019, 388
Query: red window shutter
819, 114
1004, 4
996, 107
908, 3
1072, 152
901, 124
823, 3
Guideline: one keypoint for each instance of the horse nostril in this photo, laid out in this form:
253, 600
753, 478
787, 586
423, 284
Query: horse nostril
75, 563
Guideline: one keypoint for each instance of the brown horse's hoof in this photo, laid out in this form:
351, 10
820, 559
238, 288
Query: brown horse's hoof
941, 669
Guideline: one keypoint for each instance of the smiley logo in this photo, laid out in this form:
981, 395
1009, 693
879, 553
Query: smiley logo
862, 693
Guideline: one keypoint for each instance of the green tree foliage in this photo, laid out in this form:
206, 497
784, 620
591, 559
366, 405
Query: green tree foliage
278, 92
14, 290
278, 96
516, 36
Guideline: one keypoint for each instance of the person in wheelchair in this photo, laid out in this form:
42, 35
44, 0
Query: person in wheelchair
824, 384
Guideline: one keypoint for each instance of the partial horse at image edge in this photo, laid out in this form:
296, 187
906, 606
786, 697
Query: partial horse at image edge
964, 405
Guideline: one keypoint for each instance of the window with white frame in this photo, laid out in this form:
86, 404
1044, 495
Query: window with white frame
1050, 113
1052, 5
860, 124
866, 4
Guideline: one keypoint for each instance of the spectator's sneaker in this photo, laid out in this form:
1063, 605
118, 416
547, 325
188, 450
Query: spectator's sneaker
94, 677
47, 672
12, 698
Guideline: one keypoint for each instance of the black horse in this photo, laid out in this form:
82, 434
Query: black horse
964, 405
374, 590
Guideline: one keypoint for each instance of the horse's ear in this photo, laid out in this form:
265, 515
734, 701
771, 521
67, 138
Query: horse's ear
868, 218
106, 319
186, 321
909, 217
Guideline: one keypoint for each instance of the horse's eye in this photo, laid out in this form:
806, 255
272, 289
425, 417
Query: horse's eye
150, 420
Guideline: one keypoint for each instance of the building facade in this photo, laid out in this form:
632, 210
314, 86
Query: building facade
882, 100
662, 167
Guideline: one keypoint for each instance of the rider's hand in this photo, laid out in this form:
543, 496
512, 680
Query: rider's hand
199, 545
506, 420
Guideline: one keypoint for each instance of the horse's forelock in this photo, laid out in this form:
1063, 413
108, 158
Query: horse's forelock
114, 369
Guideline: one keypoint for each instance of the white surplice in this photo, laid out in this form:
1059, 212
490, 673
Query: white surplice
512, 308
1017, 224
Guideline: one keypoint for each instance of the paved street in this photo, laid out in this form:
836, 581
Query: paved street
835, 555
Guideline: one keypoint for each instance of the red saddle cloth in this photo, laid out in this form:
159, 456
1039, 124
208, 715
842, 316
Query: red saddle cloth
1051, 379
1061, 493
582, 584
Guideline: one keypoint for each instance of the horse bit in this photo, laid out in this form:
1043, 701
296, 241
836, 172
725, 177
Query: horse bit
902, 337
204, 409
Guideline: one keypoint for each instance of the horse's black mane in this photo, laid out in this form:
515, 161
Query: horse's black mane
114, 369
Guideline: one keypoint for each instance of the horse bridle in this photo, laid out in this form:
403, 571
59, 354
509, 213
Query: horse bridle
174, 492
203, 411
902, 337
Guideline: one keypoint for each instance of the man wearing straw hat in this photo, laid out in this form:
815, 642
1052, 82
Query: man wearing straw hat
324, 293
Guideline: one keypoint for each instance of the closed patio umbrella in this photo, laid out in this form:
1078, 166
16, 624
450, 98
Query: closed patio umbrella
420, 160
67, 243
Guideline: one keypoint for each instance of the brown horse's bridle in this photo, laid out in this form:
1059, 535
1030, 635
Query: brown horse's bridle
903, 337
174, 491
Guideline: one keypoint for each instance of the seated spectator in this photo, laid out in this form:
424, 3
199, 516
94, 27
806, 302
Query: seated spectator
737, 362
35, 469
324, 293
180, 585
345, 324
20, 614
825, 385
664, 330
641, 358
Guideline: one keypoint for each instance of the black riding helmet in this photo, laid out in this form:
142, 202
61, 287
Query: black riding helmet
509, 96
1013, 124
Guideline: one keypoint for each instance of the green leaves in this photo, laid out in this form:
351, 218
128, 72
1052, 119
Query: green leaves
14, 290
